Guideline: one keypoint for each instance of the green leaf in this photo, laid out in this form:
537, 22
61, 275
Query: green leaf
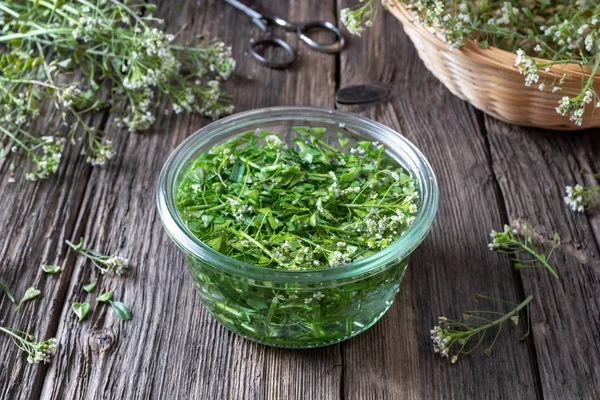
215, 243
30, 294
314, 220
51, 269
264, 211
257, 303
483, 44
349, 176
104, 297
237, 172
207, 220
121, 310
342, 140
90, 287
301, 130
7, 292
274, 222
81, 310
317, 132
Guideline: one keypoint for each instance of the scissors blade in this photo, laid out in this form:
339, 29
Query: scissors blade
249, 8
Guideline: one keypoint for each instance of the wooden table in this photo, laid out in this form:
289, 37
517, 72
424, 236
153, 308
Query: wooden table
490, 173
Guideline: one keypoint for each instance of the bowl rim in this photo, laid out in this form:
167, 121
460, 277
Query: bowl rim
400, 249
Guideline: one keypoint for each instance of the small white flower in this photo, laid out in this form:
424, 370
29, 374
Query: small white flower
116, 264
575, 197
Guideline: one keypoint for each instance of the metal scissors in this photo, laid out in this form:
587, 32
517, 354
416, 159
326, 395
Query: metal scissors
264, 20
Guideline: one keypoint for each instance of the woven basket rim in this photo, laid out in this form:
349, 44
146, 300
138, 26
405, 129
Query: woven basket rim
501, 59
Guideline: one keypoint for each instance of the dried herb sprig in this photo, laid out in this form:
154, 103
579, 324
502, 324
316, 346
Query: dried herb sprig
455, 339
36, 351
64, 53
510, 241
309, 206
105, 263
582, 197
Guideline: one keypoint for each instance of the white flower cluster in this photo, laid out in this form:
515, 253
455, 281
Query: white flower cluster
499, 239
42, 351
222, 155
527, 66
238, 210
220, 60
16, 109
441, 341
116, 264
338, 257
575, 107
46, 163
273, 142
100, 155
67, 95
88, 27
504, 15
333, 192
357, 19
566, 34
575, 197
352, 22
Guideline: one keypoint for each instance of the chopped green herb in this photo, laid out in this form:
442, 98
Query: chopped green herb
51, 269
30, 294
90, 287
120, 310
310, 206
319, 201
104, 297
7, 292
81, 310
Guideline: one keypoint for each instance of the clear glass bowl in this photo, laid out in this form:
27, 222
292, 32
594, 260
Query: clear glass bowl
297, 308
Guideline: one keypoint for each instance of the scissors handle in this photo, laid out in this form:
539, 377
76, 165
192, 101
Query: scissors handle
333, 47
272, 42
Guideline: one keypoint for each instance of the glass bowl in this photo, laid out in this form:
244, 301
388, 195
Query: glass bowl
297, 309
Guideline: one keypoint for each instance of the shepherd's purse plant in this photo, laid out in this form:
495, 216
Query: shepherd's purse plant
81, 57
541, 33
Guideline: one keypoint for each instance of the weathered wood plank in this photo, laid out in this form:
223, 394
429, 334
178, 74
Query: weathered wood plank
172, 348
395, 360
533, 168
35, 218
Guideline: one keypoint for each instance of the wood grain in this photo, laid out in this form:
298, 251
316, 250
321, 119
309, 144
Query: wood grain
395, 360
35, 218
533, 167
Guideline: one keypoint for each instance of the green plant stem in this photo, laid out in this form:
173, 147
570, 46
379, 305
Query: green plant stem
34, 33
542, 260
507, 316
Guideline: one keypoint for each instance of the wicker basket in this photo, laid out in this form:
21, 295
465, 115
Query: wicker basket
488, 79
